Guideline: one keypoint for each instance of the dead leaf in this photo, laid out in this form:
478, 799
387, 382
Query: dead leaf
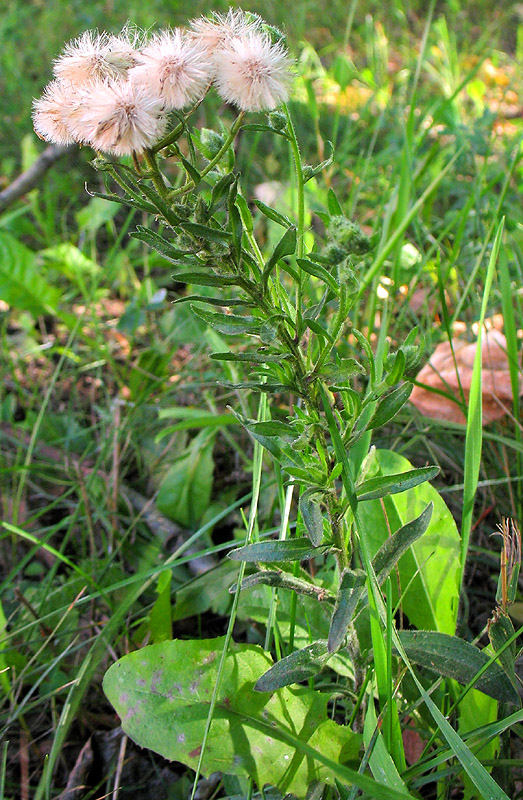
443, 374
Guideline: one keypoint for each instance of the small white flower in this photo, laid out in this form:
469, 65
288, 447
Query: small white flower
174, 68
252, 72
217, 30
120, 117
55, 113
95, 56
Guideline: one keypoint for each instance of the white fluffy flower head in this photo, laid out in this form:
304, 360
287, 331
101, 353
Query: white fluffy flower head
174, 68
215, 31
56, 112
252, 72
121, 117
95, 56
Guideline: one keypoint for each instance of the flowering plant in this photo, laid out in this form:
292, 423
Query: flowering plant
363, 514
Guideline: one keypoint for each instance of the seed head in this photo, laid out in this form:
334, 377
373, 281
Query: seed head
216, 30
174, 68
55, 113
120, 117
252, 72
95, 56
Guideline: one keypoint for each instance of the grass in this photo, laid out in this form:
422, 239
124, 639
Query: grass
93, 359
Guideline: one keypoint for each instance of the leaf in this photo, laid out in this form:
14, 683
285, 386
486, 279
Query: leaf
163, 692
319, 272
205, 232
22, 284
431, 567
275, 216
389, 405
500, 630
160, 617
351, 584
276, 550
253, 358
206, 279
185, 492
283, 580
455, 658
296, 667
162, 246
285, 247
384, 485
333, 204
311, 514
228, 323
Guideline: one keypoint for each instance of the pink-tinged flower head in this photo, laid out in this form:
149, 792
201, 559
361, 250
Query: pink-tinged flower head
55, 113
95, 56
174, 68
252, 72
215, 31
121, 117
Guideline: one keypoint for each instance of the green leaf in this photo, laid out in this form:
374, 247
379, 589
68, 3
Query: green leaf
207, 233
311, 514
253, 358
191, 171
319, 272
296, 667
431, 567
275, 216
276, 550
127, 201
333, 204
383, 485
162, 246
389, 406
285, 247
228, 323
500, 630
162, 694
22, 284
283, 580
185, 492
160, 617
206, 279
455, 658
310, 172
351, 585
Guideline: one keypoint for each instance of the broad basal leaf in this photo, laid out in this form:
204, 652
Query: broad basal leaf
162, 694
22, 284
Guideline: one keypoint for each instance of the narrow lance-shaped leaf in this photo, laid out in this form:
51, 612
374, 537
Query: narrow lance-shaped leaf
285, 247
311, 514
287, 550
389, 406
383, 485
351, 584
352, 596
283, 580
296, 667
455, 658
162, 246
228, 323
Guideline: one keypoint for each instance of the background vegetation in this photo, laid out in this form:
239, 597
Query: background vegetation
118, 457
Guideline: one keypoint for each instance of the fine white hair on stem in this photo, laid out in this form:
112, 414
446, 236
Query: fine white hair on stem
252, 72
121, 117
173, 67
55, 113
216, 30
95, 56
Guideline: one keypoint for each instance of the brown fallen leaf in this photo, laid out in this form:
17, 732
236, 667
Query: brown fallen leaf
443, 374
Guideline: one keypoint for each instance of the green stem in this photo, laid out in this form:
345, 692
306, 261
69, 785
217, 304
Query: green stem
171, 137
219, 155
156, 175
300, 184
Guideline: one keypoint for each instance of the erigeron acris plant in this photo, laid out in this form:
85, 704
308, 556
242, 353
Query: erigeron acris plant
215, 704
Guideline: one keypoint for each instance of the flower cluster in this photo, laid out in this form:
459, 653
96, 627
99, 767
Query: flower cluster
115, 92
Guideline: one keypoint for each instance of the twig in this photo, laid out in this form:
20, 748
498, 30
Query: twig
31, 177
